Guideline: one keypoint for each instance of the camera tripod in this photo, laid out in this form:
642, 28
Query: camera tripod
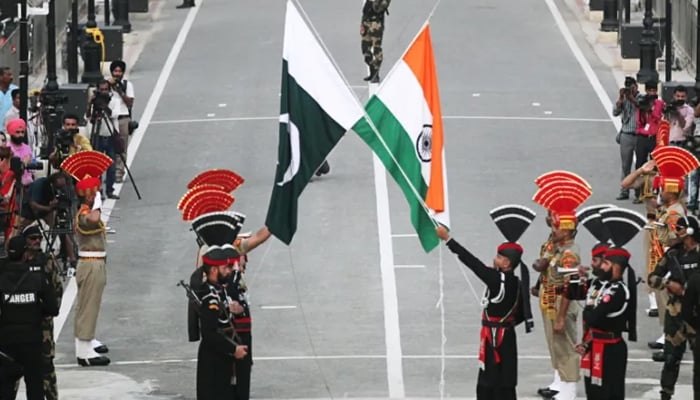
99, 116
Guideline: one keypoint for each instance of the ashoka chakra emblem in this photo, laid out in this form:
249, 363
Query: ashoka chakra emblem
424, 143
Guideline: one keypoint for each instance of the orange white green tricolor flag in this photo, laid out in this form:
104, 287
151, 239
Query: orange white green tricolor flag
406, 112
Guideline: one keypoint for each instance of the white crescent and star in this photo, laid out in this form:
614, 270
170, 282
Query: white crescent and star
295, 149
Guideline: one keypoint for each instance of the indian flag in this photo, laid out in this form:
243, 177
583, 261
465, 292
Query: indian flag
316, 109
406, 112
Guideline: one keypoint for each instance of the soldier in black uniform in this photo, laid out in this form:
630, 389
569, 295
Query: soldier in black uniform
690, 312
610, 310
672, 272
506, 303
26, 297
238, 304
217, 349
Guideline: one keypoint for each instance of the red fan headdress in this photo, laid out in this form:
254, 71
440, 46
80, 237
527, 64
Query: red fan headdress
562, 197
195, 190
673, 163
558, 176
229, 180
206, 201
86, 167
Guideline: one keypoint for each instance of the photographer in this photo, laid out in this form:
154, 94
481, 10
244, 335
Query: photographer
625, 108
68, 141
121, 103
680, 115
17, 129
49, 201
104, 138
648, 116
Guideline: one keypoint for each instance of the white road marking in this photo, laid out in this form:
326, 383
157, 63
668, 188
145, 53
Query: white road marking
585, 65
222, 105
547, 112
536, 104
289, 307
409, 266
145, 121
476, 117
515, 118
532, 357
392, 328
405, 235
211, 115
476, 94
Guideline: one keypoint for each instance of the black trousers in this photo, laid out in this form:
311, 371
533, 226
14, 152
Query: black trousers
645, 145
243, 368
214, 373
495, 393
696, 370
28, 355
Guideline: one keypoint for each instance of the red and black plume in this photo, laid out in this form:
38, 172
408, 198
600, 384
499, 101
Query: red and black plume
591, 219
218, 228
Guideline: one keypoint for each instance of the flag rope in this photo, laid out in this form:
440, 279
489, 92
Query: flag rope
443, 336
364, 112
306, 324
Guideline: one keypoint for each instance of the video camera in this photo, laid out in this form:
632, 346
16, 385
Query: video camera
18, 167
692, 144
645, 102
63, 139
673, 106
63, 218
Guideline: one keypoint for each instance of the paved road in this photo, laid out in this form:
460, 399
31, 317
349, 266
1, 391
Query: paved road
516, 104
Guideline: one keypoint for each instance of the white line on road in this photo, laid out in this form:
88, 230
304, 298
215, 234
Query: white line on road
532, 357
392, 328
71, 289
290, 307
585, 65
457, 117
409, 266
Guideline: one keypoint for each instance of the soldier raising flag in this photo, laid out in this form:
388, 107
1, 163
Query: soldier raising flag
506, 303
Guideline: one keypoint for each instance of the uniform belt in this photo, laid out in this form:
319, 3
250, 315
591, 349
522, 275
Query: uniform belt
122, 117
604, 335
498, 324
92, 254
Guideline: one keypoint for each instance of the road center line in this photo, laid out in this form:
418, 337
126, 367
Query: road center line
71, 289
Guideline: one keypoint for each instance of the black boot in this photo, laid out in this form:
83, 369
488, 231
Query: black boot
186, 4
375, 77
323, 169
372, 71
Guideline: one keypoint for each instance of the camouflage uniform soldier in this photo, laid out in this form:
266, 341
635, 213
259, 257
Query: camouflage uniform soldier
681, 234
35, 257
372, 32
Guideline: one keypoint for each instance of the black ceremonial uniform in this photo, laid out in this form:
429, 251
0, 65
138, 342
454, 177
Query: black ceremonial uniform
27, 298
505, 305
215, 358
236, 291
606, 315
690, 311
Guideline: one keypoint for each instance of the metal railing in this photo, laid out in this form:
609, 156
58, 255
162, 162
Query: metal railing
684, 26
9, 51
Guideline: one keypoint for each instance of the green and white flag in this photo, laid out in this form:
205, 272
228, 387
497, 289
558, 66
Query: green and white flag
316, 109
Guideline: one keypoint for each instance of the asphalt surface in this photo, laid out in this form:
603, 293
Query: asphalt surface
318, 306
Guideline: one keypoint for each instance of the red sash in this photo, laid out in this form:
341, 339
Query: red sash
493, 336
596, 357
586, 358
243, 324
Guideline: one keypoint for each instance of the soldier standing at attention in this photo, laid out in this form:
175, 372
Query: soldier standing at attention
560, 192
372, 32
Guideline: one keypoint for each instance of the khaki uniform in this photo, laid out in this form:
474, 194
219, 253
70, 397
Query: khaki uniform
90, 274
564, 358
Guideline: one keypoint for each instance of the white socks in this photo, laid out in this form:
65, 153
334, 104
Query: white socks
84, 349
652, 301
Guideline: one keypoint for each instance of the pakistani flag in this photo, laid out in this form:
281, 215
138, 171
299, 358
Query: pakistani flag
316, 109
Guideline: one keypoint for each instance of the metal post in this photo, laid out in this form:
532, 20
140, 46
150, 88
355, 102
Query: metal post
23, 61
92, 51
647, 47
668, 32
609, 23
73, 44
107, 12
121, 15
697, 49
51, 96
628, 11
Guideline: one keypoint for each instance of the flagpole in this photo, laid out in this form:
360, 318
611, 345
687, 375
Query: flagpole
364, 112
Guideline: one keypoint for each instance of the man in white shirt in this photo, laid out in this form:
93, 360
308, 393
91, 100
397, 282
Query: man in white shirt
681, 117
120, 104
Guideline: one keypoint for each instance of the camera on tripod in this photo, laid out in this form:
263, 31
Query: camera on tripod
18, 167
100, 103
63, 217
673, 106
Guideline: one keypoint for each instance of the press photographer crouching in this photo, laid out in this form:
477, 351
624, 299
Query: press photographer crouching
67, 141
49, 201
104, 137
